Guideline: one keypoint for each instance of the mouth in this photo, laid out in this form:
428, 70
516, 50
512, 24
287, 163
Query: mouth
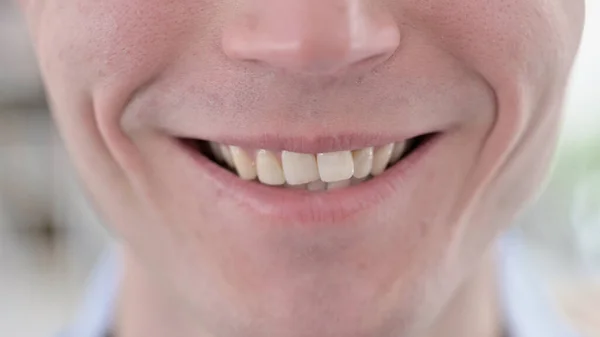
309, 188
313, 172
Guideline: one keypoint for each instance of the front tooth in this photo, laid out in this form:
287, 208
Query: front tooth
317, 185
243, 163
356, 181
338, 184
335, 166
295, 187
363, 162
227, 156
268, 168
399, 149
381, 158
299, 168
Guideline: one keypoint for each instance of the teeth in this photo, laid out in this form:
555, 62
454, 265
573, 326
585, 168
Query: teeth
335, 166
399, 150
296, 187
356, 181
325, 171
316, 185
299, 168
243, 163
363, 162
216, 150
227, 156
268, 169
338, 184
381, 158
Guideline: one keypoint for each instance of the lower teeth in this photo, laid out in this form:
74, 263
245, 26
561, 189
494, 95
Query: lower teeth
314, 186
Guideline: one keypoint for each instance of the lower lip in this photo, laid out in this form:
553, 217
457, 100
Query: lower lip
302, 206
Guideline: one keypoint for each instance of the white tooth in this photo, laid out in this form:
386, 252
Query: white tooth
381, 158
335, 166
399, 149
216, 150
268, 168
338, 184
299, 168
243, 163
296, 187
363, 162
317, 185
227, 156
356, 181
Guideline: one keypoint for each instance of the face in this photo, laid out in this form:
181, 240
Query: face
172, 108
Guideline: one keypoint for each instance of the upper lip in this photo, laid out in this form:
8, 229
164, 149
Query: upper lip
314, 144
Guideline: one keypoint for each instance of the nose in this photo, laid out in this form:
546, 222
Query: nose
311, 36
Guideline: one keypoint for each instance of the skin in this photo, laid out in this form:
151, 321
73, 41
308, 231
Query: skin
124, 76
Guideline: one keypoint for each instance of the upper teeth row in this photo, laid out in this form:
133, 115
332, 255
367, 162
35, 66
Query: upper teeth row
302, 168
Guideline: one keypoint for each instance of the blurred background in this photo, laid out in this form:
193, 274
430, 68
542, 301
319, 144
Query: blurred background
50, 237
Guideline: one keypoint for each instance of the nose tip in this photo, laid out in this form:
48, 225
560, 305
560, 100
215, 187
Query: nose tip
312, 41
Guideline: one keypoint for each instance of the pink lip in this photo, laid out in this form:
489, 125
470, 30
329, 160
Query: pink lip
319, 144
299, 206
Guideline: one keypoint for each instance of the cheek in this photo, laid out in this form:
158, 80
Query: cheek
524, 50
96, 42
24, 3
108, 47
95, 54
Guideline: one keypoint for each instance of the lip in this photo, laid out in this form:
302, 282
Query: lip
305, 207
320, 144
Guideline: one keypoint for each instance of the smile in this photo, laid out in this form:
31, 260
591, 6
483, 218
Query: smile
308, 182
315, 172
